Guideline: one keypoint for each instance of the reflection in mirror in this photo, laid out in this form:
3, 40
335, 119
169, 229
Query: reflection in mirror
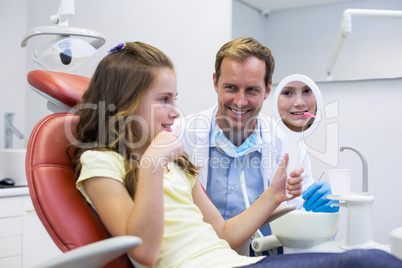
297, 106
298, 103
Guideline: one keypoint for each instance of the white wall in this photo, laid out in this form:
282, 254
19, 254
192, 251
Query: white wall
368, 109
303, 40
13, 21
368, 121
372, 50
189, 32
247, 21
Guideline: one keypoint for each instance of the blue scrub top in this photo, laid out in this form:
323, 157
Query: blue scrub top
224, 188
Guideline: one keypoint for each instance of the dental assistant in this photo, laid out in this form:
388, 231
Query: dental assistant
233, 136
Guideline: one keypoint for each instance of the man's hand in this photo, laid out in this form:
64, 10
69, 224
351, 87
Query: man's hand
316, 198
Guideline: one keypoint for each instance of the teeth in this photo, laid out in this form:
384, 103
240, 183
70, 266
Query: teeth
238, 112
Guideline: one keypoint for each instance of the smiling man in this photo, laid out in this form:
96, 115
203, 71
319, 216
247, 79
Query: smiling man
233, 137
241, 93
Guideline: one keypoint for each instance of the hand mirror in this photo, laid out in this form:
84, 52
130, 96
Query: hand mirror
297, 105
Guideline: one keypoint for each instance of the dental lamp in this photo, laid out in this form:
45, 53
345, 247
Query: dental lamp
346, 29
68, 50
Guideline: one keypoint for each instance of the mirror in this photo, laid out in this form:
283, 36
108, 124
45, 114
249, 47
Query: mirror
297, 106
294, 96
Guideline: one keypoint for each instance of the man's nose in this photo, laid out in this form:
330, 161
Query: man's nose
240, 99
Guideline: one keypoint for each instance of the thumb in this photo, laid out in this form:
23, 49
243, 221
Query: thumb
284, 163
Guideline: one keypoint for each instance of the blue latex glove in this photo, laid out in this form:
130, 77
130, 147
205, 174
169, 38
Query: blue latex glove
316, 196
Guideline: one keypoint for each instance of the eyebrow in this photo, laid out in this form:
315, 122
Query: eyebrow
304, 87
168, 93
288, 88
234, 85
228, 84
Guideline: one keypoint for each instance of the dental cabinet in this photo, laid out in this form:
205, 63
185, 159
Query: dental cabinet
24, 241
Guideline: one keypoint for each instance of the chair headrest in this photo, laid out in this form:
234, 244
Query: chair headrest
65, 88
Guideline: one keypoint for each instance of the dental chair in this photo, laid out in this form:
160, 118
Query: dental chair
70, 221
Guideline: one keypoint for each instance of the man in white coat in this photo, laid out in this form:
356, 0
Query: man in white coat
233, 140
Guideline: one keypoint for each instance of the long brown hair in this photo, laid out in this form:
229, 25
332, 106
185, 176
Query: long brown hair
117, 87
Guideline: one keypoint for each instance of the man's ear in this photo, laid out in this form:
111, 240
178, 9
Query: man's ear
268, 90
215, 82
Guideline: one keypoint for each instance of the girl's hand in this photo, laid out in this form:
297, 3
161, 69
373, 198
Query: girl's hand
164, 148
294, 186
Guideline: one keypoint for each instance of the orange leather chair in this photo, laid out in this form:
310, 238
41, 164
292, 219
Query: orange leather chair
67, 217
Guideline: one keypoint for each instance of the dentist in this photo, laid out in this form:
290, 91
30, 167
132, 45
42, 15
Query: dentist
233, 137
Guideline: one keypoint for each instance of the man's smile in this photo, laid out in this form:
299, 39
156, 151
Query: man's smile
238, 112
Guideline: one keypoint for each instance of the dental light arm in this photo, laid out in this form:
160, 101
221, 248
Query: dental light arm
68, 51
346, 29
66, 11
65, 31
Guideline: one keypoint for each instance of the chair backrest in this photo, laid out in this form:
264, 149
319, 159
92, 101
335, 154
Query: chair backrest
68, 218
64, 212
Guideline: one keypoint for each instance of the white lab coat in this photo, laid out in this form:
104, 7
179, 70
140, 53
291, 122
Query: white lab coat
195, 135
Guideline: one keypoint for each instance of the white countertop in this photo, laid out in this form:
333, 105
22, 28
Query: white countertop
14, 191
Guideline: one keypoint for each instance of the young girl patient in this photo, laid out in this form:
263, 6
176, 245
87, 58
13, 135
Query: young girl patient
132, 169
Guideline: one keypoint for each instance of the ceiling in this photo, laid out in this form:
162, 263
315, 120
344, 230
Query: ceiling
275, 5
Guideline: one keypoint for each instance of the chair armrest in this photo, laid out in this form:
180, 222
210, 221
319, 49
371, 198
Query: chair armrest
94, 255
267, 242
279, 212
260, 244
